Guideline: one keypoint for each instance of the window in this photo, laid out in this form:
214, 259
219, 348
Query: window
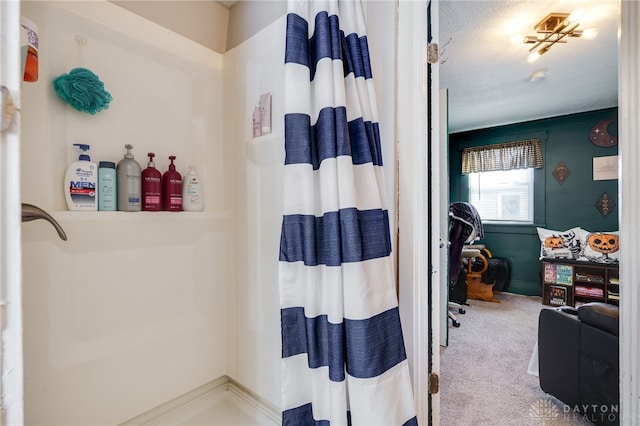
503, 196
501, 179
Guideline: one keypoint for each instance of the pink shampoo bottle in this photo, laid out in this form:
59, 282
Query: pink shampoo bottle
151, 187
172, 188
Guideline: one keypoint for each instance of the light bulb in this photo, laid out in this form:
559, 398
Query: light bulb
534, 56
589, 34
575, 16
517, 39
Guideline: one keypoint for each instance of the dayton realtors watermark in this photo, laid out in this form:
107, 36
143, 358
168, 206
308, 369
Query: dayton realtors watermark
596, 413
546, 409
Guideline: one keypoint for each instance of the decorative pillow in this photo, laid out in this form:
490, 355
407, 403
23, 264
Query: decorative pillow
601, 247
559, 244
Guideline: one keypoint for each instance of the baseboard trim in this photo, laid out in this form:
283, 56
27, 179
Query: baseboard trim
255, 401
171, 411
526, 288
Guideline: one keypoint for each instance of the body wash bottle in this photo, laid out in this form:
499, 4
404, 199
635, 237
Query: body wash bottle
107, 189
129, 187
172, 188
80, 189
257, 128
151, 187
192, 196
265, 113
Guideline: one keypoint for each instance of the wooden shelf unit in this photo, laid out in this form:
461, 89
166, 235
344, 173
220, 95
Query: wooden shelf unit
571, 282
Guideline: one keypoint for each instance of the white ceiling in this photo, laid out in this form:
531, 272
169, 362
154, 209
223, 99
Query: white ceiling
488, 75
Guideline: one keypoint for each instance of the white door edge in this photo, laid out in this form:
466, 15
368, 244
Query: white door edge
10, 223
414, 232
629, 156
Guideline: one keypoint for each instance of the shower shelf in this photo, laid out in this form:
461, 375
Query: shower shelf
267, 150
66, 215
106, 230
206, 220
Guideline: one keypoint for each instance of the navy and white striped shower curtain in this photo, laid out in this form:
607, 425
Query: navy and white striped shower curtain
343, 355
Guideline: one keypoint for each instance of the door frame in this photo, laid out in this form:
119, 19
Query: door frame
415, 234
629, 200
416, 237
10, 224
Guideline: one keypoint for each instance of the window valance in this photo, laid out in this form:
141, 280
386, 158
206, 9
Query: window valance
505, 156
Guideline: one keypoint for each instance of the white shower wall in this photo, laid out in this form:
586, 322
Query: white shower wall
135, 308
139, 308
251, 69
254, 67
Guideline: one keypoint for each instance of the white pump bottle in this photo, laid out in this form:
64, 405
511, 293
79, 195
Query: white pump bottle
80, 189
192, 194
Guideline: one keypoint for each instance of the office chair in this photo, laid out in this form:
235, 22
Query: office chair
465, 227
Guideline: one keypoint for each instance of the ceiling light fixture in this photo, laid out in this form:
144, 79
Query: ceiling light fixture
551, 30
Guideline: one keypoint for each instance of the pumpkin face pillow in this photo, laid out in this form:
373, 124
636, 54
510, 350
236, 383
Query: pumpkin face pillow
601, 247
559, 244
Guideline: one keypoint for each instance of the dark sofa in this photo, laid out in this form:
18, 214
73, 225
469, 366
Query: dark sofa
578, 359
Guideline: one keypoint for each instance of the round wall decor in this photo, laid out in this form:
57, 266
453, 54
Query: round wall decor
599, 135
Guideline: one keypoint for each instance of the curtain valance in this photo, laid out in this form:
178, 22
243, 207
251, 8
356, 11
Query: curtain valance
505, 156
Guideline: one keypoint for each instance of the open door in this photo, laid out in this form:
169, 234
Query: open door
418, 201
436, 192
441, 203
10, 216
419, 242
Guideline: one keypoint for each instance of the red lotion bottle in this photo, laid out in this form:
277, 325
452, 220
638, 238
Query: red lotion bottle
151, 187
172, 188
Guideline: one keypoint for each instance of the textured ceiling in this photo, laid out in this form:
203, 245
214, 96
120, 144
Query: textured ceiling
488, 76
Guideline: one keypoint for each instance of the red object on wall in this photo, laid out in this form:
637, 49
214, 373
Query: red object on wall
29, 44
31, 66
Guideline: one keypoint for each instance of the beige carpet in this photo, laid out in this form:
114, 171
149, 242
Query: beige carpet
484, 369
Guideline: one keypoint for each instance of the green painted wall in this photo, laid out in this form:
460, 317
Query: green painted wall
557, 206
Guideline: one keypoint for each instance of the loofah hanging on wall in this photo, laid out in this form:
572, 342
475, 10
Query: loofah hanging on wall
83, 90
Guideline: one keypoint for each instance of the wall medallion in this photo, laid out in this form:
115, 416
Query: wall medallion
599, 135
605, 204
561, 172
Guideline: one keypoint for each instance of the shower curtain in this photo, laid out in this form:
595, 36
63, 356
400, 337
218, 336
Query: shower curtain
343, 355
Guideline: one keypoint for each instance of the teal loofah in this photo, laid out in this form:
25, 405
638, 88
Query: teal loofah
83, 90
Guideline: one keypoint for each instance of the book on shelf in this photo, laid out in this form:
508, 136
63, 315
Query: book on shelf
549, 273
564, 274
614, 280
589, 291
557, 295
592, 278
